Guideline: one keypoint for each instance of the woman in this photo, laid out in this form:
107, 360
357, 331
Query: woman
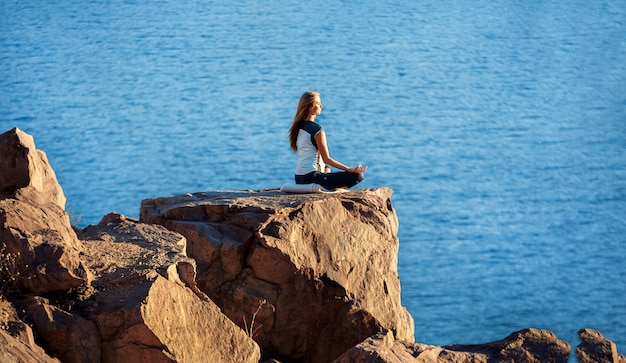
308, 139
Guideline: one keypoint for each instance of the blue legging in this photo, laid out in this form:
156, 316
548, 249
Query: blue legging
340, 179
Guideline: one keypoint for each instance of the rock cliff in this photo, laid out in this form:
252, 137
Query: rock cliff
320, 268
239, 276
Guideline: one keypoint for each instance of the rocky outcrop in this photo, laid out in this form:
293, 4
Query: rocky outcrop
142, 306
317, 273
125, 291
528, 346
40, 250
595, 348
311, 278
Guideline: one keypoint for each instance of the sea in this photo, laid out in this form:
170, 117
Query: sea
500, 126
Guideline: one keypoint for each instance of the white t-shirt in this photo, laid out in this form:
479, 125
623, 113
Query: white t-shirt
309, 158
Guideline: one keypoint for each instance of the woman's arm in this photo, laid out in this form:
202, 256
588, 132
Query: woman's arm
322, 147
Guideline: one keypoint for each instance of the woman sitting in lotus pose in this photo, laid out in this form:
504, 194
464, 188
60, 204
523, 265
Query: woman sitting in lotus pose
308, 139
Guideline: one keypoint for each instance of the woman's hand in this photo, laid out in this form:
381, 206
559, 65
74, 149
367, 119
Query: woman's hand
358, 169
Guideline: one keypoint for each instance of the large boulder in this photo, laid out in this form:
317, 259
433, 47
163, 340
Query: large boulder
40, 250
146, 305
528, 346
308, 276
595, 348
25, 170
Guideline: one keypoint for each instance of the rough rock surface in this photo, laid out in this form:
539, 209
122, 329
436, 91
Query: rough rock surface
595, 348
40, 250
317, 272
70, 338
146, 305
17, 342
528, 346
119, 248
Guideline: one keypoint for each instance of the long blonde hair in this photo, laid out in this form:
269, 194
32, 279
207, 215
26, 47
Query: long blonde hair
304, 107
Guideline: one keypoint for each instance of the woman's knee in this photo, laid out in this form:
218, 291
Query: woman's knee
356, 179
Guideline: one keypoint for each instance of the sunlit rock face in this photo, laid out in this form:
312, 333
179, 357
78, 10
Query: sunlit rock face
317, 273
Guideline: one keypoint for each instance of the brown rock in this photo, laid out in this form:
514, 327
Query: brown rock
119, 248
15, 350
17, 342
595, 348
528, 346
24, 169
156, 320
39, 247
317, 272
144, 304
40, 251
67, 337
384, 348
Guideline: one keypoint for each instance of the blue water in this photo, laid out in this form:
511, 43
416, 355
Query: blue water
501, 128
